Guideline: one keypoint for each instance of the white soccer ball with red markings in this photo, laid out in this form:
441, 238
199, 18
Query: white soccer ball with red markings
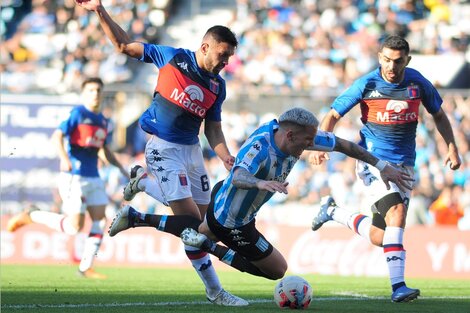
293, 292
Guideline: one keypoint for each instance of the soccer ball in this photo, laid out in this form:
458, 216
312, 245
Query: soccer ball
293, 292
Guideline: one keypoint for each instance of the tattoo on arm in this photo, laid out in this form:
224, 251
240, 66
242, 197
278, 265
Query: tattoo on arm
355, 151
243, 179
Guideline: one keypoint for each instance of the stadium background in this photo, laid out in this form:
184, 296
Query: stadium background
291, 53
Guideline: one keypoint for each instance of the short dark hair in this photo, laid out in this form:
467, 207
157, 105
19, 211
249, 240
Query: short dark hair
89, 80
395, 42
222, 34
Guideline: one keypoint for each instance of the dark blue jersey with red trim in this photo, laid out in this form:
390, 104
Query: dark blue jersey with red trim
86, 133
390, 112
185, 95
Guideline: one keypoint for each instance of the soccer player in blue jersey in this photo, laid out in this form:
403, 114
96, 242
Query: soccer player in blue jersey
81, 189
389, 97
189, 91
261, 169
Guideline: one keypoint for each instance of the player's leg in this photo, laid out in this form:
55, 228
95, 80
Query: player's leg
245, 245
128, 217
97, 199
93, 242
394, 251
389, 221
357, 222
140, 181
73, 219
169, 164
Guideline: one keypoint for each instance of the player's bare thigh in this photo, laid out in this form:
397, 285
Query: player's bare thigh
187, 206
273, 265
97, 212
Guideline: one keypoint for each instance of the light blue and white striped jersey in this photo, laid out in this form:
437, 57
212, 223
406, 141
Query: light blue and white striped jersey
260, 156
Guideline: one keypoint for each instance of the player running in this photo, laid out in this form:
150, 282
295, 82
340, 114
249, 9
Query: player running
390, 98
189, 91
80, 187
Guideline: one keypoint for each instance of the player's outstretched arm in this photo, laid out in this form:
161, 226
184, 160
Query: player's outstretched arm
113, 31
445, 129
388, 172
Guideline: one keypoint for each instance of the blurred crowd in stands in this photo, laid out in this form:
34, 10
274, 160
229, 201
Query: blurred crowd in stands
305, 44
60, 42
285, 46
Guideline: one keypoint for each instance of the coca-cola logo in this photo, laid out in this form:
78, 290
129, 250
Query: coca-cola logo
311, 253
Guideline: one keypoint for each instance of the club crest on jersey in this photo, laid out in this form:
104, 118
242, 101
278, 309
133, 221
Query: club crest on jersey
183, 179
214, 86
413, 91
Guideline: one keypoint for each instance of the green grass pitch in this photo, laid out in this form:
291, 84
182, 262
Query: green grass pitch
51, 289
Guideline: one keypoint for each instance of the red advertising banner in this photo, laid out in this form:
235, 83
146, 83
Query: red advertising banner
435, 252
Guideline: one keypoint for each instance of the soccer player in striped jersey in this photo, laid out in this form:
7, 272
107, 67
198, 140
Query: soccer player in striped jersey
390, 97
81, 189
261, 168
189, 91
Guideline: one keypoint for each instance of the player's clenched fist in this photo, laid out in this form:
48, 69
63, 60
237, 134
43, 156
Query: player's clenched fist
317, 157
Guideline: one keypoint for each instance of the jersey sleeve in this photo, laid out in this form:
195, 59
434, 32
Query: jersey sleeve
324, 141
157, 54
251, 157
71, 123
349, 98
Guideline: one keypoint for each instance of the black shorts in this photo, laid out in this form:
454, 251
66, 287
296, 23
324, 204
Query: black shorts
245, 240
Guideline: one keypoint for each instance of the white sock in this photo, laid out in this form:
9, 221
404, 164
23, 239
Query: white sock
92, 244
203, 265
58, 222
395, 254
359, 223
340, 215
152, 188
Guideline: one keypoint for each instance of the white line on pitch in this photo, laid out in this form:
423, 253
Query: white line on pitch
179, 303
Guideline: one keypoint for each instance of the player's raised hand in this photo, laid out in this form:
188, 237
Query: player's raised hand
90, 5
397, 176
317, 157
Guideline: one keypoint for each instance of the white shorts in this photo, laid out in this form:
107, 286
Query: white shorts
78, 192
179, 170
374, 188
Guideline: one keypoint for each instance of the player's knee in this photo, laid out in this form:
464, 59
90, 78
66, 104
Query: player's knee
276, 273
278, 270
